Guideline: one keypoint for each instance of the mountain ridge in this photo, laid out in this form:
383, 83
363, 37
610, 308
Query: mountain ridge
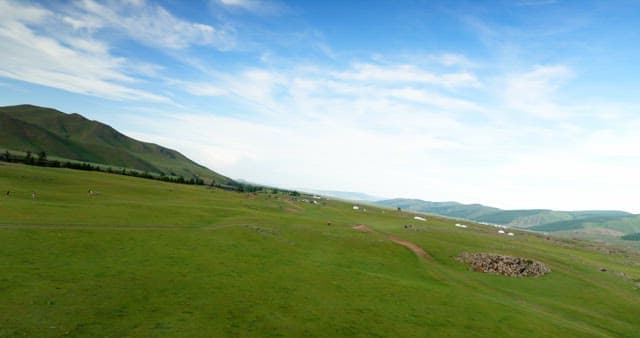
542, 220
73, 136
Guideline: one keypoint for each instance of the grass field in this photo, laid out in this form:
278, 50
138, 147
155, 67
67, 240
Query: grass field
148, 258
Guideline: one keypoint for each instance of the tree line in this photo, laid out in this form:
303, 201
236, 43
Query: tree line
40, 159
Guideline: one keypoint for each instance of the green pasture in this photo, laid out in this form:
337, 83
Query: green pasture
154, 259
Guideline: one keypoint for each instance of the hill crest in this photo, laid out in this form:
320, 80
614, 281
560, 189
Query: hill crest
72, 136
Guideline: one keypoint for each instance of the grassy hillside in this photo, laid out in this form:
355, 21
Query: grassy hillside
72, 136
450, 209
147, 258
619, 222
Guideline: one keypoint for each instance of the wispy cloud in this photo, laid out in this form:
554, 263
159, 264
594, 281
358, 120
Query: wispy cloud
533, 91
76, 64
407, 73
452, 59
150, 24
203, 89
359, 89
260, 7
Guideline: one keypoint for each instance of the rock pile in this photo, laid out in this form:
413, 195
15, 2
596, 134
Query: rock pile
503, 265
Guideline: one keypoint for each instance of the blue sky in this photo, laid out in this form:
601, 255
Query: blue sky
515, 104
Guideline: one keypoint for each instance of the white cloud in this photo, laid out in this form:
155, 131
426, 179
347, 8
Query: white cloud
366, 72
452, 59
204, 89
358, 91
615, 143
434, 99
76, 64
15, 12
150, 24
533, 91
261, 7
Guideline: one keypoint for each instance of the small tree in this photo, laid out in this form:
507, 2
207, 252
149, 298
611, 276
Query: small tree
42, 157
28, 158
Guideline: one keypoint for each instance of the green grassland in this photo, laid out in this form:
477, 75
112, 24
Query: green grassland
149, 258
596, 225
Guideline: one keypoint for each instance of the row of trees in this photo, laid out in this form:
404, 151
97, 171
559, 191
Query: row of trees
252, 188
41, 160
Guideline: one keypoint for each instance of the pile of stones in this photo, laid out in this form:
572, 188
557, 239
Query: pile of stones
503, 265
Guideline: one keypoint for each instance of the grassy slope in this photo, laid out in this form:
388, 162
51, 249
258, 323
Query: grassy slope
71, 136
532, 219
155, 259
451, 209
624, 225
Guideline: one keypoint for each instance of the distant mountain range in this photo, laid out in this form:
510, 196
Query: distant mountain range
609, 222
71, 136
345, 195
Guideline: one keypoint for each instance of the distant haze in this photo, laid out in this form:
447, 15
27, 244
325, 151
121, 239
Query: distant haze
513, 104
346, 195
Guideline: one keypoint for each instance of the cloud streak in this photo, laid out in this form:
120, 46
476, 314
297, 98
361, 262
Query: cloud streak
533, 91
259, 7
75, 64
150, 24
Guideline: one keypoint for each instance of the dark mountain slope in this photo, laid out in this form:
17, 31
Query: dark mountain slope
33, 128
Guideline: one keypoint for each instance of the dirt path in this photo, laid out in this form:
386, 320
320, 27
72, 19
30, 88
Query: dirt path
361, 228
411, 246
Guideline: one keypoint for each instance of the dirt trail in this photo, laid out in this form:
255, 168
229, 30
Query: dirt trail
361, 228
411, 246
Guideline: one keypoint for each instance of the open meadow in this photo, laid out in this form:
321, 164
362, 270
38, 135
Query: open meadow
147, 258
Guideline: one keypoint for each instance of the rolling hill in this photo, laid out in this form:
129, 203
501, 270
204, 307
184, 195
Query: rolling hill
71, 136
152, 259
543, 220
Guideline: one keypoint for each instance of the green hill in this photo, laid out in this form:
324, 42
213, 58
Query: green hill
632, 237
143, 258
71, 136
450, 209
531, 219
